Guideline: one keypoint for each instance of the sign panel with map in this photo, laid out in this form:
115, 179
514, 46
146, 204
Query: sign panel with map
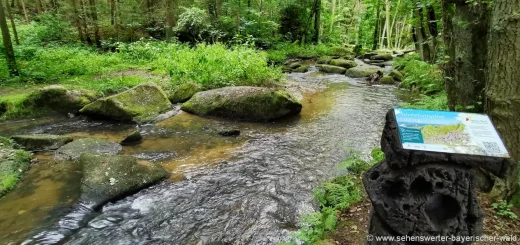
451, 132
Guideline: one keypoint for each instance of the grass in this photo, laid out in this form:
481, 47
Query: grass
334, 196
12, 164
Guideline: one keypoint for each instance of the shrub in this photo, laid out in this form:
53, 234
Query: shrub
421, 76
438, 102
47, 29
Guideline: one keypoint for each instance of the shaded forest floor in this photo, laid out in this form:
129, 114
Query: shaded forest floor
353, 222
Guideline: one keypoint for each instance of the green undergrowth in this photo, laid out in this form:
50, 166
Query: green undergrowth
425, 79
335, 196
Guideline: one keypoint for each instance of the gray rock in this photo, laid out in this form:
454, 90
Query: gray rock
332, 69
106, 178
343, 63
243, 103
73, 150
41, 142
362, 71
59, 98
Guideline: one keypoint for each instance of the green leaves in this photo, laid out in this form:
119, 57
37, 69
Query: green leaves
503, 209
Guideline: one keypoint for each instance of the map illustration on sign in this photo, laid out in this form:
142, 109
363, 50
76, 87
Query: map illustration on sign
451, 132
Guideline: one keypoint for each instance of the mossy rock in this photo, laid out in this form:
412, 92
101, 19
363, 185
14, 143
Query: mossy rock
303, 68
332, 69
343, 63
140, 104
343, 51
243, 103
294, 65
13, 163
5, 142
41, 142
73, 150
183, 92
324, 60
387, 80
58, 98
107, 178
384, 56
397, 75
134, 138
362, 71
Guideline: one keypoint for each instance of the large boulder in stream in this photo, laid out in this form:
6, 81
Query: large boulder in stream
106, 178
383, 56
140, 104
396, 75
243, 103
362, 71
332, 69
343, 63
41, 142
388, 80
324, 60
73, 150
59, 98
12, 165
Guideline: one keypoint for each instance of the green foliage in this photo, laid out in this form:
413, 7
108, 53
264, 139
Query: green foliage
5, 142
357, 165
503, 209
47, 29
437, 102
419, 75
377, 156
12, 164
314, 225
257, 25
194, 26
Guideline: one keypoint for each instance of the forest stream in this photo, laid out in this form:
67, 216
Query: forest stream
251, 189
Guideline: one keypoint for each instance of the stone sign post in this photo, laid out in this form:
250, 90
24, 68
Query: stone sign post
424, 186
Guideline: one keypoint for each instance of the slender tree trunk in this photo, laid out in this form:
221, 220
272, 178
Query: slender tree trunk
170, 15
503, 83
76, 20
416, 41
376, 28
39, 7
112, 12
8, 46
465, 36
432, 27
332, 15
218, 8
11, 18
317, 22
85, 18
24, 12
421, 35
93, 16
387, 24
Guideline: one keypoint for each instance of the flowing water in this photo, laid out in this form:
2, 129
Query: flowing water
246, 190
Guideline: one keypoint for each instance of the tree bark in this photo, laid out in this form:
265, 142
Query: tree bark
503, 80
432, 27
112, 12
376, 29
76, 20
465, 37
421, 35
387, 24
11, 18
8, 45
24, 12
333, 12
93, 16
317, 22
170, 15
85, 17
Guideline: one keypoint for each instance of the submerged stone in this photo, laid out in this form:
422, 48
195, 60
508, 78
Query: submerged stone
133, 138
106, 178
230, 132
362, 71
73, 150
243, 103
140, 104
41, 142
332, 69
343, 63
183, 92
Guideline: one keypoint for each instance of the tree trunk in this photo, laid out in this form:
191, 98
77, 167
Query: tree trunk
503, 80
39, 7
93, 16
393, 21
317, 22
421, 35
170, 15
333, 12
376, 29
112, 12
432, 27
88, 39
11, 18
76, 20
8, 46
24, 12
387, 24
465, 37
